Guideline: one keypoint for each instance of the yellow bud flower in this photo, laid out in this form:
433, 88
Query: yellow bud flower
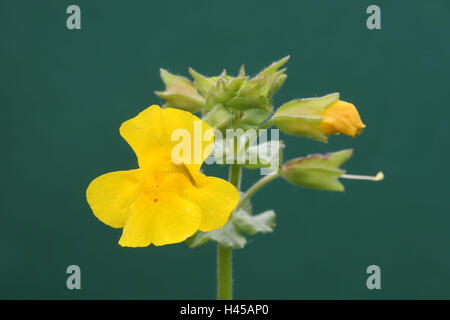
341, 117
317, 118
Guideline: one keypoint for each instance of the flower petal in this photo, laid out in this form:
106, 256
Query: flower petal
216, 198
153, 134
341, 117
143, 133
111, 195
160, 219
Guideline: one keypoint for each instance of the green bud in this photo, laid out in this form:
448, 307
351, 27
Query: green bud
245, 103
251, 119
241, 93
225, 90
218, 117
277, 83
251, 96
241, 71
273, 78
302, 117
180, 93
202, 83
317, 171
273, 68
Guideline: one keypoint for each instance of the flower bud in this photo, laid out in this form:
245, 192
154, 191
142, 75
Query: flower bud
317, 118
341, 117
317, 171
218, 117
180, 93
241, 93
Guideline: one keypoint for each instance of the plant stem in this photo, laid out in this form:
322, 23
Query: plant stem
224, 273
224, 254
258, 185
267, 124
235, 175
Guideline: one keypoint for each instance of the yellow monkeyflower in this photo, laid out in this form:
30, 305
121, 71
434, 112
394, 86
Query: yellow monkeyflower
163, 201
341, 117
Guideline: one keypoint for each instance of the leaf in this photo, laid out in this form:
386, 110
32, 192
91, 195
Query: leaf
264, 155
230, 234
244, 150
263, 222
227, 236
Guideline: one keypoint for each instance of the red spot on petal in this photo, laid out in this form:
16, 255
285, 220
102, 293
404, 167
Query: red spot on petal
155, 200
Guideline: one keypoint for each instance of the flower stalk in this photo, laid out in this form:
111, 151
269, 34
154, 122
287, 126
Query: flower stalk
224, 273
258, 185
224, 254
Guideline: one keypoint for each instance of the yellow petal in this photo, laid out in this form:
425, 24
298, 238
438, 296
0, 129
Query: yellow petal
216, 198
155, 134
341, 117
111, 195
160, 219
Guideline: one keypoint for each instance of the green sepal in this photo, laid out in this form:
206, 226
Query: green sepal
302, 117
251, 118
242, 103
180, 93
225, 90
218, 117
317, 171
201, 83
272, 69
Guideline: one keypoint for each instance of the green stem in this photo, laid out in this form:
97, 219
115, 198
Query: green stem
235, 175
258, 185
224, 254
224, 273
267, 124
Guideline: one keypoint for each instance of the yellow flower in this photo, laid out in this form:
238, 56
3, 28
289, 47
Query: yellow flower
161, 202
341, 117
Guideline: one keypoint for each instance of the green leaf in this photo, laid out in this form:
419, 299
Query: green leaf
243, 150
230, 235
227, 236
263, 222
263, 155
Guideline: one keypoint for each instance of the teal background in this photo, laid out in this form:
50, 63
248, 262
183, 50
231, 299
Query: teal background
65, 93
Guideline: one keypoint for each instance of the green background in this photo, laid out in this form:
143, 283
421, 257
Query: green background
65, 93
